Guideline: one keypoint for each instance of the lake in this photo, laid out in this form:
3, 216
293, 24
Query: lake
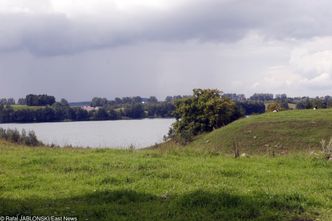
116, 134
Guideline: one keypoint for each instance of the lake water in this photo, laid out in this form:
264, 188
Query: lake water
117, 134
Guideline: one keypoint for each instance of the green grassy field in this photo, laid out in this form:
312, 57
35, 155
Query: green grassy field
162, 185
22, 107
282, 132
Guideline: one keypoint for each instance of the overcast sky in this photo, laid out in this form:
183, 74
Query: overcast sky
79, 49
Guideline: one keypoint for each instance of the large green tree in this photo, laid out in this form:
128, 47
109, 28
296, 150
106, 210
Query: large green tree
205, 111
39, 100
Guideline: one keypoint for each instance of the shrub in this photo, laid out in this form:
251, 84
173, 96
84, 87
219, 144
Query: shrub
14, 136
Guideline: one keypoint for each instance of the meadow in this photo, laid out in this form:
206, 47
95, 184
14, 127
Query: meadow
106, 184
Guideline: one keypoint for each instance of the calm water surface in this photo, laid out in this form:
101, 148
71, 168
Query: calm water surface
121, 134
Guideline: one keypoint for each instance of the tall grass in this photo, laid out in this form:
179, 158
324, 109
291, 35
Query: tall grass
327, 148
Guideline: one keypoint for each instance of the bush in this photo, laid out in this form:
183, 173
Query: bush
14, 136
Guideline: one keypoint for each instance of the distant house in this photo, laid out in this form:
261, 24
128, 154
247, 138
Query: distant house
89, 108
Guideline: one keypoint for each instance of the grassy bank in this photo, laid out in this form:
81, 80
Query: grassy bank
158, 185
287, 131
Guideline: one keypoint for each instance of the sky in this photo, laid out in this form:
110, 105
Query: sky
79, 49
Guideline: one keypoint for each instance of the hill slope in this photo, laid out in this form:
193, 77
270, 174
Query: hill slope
280, 132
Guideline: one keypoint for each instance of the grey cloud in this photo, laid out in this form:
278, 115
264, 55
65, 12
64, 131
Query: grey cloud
231, 20
209, 20
55, 34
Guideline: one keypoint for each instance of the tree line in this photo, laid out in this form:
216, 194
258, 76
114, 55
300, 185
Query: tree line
310, 103
44, 108
58, 112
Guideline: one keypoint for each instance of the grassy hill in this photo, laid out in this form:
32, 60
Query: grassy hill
155, 185
287, 131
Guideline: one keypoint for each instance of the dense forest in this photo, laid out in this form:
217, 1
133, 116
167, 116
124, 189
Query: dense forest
45, 108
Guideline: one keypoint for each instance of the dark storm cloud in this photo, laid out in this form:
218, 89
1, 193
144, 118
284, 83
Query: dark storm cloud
231, 20
209, 20
242, 46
